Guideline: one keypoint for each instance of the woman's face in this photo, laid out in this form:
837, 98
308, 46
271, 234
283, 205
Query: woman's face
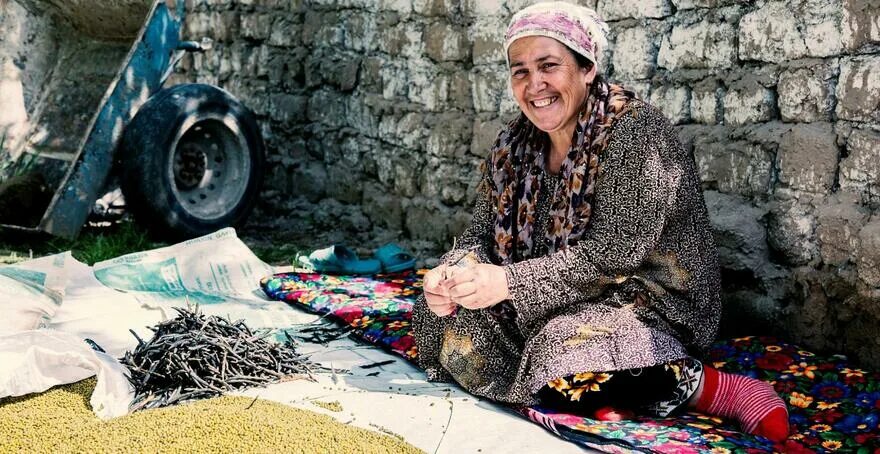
547, 82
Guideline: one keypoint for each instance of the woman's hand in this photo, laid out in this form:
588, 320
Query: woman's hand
436, 294
478, 286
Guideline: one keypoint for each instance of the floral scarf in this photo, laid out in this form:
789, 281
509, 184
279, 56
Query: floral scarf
518, 158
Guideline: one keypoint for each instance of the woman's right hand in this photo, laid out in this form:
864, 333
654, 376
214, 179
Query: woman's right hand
436, 294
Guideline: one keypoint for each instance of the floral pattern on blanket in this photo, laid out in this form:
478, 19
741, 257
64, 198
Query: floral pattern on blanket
833, 405
379, 309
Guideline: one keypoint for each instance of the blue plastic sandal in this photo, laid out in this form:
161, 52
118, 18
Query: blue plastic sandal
338, 259
394, 259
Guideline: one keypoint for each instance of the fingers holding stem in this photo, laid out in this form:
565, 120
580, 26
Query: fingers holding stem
478, 286
474, 287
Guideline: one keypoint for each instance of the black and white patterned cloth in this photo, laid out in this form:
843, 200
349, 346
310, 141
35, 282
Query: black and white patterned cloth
657, 390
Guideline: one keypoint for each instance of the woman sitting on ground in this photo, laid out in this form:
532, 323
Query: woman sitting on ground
597, 270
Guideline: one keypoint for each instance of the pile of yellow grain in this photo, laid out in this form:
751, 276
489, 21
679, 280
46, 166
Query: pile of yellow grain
60, 420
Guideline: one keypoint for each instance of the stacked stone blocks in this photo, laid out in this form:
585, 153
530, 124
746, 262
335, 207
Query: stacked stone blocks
384, 109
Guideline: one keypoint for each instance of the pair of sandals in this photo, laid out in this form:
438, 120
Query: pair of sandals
339, 259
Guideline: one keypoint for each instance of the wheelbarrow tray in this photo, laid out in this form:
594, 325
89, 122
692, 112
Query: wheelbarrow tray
76, 124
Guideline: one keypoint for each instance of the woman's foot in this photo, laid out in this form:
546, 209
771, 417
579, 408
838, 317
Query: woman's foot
755, 404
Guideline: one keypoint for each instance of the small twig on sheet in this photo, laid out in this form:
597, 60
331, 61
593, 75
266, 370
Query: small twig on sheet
448, 421
380, 363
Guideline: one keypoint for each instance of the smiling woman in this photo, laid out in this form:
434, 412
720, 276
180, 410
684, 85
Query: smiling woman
597, 270
549, 86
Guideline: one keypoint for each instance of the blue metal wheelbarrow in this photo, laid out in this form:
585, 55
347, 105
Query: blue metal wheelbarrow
189, 159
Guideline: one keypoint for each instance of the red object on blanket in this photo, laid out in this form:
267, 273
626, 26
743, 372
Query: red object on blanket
612, 414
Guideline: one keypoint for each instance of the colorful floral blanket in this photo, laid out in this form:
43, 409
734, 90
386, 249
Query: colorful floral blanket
834, 406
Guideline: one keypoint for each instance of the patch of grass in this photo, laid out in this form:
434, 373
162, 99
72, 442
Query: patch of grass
93, 244
278, 254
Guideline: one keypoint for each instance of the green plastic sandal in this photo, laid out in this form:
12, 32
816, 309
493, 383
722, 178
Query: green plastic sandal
394, 258
338, 259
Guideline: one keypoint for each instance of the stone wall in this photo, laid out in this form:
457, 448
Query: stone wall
378, 112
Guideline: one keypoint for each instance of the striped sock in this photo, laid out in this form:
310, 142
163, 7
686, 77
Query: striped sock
755, 404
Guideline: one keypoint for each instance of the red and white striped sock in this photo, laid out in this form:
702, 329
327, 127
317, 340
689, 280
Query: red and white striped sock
753, 403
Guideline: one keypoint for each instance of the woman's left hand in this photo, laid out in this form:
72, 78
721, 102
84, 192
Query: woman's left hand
478, 286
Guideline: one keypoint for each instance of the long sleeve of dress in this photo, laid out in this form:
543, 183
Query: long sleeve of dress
429, 327
637, 182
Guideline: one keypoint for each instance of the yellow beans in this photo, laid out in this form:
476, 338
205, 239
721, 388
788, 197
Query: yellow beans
60, 420
332, 406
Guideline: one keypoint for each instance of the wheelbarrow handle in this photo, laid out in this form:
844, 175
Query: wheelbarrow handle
182, 48
196, 46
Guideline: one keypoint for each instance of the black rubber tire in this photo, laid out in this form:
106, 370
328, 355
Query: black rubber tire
151, 169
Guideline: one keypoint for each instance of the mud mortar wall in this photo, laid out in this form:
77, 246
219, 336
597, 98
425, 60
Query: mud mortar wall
378, 113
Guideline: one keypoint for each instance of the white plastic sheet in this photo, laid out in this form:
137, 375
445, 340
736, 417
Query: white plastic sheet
34, 361
217, 272
31, 292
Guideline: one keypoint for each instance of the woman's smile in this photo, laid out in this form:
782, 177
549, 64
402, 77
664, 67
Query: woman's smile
544, 102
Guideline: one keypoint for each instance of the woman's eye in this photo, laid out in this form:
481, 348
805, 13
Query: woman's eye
548, 65
520, 73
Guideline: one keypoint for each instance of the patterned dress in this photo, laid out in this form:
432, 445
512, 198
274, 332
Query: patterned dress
640, 288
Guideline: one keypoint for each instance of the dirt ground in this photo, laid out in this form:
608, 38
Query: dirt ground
277, 239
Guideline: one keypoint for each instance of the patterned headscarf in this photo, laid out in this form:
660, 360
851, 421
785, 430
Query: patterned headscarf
578, 27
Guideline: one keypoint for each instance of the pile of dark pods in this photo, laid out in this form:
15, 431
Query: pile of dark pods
194, 356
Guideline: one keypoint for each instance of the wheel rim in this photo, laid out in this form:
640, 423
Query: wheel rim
209, 166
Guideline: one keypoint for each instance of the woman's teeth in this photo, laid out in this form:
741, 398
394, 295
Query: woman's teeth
544, 102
